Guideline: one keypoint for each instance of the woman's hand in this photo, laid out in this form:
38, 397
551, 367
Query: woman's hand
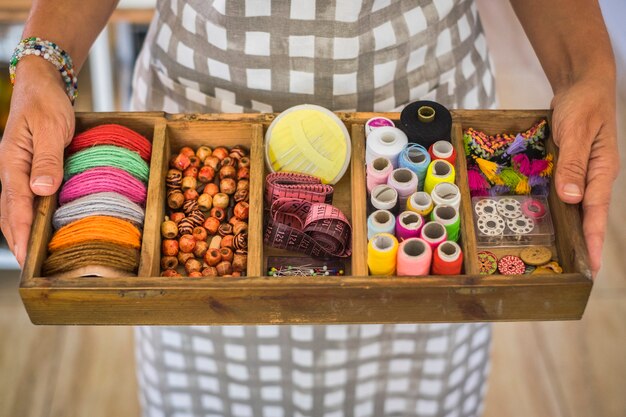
584, 128
40, 125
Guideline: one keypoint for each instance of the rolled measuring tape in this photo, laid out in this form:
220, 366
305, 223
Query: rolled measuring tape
426, 122
438, 171
447, 259
414, 257
434, 234
387, 142
378, 172
408, 224
383, 197
308, 139
381, 221
377, 122
382, 252
442, 149
446, 193
449, 217
420, 202
404, 181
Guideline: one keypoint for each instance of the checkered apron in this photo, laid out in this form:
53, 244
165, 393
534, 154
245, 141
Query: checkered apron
263, 55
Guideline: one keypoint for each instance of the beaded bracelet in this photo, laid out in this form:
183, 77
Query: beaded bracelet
51, 53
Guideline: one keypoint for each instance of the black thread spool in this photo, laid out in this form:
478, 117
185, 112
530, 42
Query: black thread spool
425, 122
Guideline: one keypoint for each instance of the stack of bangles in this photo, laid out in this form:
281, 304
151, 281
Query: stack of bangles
51, 53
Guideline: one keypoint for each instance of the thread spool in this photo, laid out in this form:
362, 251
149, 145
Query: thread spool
404, 181
414, 257
447, 194
442, 149
426, 122
533, 208
383, 197
107, 156
449, 217
381, 221
434, 234
447, 259
111, 134
387, 142
378, 172
438, 171
408, 224
382, 251
96, 228
101, 180
100, 204
377, 122
416, 158
310, 140
421, 203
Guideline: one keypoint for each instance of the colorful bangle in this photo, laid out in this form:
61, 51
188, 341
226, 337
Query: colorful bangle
51, 53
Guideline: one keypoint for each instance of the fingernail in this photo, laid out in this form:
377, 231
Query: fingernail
43, 181
572, 190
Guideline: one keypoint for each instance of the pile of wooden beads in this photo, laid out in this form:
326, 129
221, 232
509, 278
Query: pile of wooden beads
206, 230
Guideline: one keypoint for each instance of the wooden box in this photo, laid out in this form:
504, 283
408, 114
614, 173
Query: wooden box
259, 299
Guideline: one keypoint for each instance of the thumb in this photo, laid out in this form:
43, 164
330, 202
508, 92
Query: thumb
46, 172
571, 170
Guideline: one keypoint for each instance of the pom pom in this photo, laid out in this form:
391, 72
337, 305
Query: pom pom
518, 145
476, 181
548, 170
522, 164
490, 170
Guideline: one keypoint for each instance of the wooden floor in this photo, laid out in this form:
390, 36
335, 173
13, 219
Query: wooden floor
548, 369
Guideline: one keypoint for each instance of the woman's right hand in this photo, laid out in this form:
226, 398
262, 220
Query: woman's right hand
40, 125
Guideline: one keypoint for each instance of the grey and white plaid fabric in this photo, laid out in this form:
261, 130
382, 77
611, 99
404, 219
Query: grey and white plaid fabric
332, 371
262, 55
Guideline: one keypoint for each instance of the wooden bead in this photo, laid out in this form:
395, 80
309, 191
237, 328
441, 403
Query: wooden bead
170, 273
237, 152
212, 161
211, 224
213, 257
175, 199
241, 210
199, 233
190, 194
169, 230
191, 171
224, 268
187, 151
197, 217
193, 265
189, 183
241, 195
220, 200
195, 274
169, 247
225, 229
241, 241
169, 262
243, 173
189, 206
203, 152
205, 202
227, 241
210, 271
240, 261
227, 254
228, 186
184, 257
186, 243
211, 189
217, 212
194, 161
180, 162
201, 249
244, 162
177, 216
206, 174
216, 242
220, 152
174, 179
185, 227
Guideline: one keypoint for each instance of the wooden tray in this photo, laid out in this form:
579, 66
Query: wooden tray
258, 299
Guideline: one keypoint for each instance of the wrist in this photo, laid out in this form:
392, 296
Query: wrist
33, 69
594, 69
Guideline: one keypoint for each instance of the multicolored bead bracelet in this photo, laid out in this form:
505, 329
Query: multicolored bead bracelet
52, 53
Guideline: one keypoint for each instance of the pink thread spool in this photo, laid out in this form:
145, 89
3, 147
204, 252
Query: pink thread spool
378, 172
414, 257
102, 180
408, 224
434, 234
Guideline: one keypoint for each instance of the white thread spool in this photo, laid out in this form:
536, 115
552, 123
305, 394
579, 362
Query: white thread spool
385, 141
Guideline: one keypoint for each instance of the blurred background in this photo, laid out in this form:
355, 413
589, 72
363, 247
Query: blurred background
552, 369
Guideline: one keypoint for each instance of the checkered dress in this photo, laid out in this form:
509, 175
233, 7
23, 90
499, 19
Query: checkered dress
263, 55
